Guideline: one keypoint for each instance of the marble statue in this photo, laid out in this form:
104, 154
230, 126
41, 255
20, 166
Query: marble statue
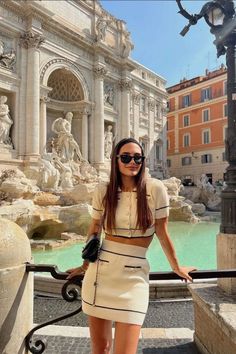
62, 165
5, 122
66, 174
7, 59
101, 26
66, 146
127, 45
49, 175
205, 184
88, 173
108, 142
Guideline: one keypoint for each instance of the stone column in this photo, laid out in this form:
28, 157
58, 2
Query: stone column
84, 112
125, 86
100, 72
136, 109
21, 133
16, 288
43, 123
32, 41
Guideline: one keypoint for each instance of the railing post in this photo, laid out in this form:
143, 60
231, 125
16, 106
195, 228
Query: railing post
16, 288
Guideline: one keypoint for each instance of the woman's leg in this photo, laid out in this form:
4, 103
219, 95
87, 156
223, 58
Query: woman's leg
101, 335
126, 338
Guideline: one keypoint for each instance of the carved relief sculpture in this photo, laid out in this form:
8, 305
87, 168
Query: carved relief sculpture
109, 95
151, 104
7, 58
5, 123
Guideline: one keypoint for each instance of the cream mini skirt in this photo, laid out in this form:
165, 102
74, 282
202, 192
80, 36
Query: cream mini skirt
116, 286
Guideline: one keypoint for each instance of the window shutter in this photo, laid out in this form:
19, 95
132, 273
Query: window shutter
210, 93
202, 96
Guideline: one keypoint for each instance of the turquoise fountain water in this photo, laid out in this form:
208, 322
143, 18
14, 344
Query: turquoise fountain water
195, 244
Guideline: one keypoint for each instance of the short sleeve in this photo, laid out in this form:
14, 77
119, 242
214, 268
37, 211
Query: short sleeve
161, 199
97, 205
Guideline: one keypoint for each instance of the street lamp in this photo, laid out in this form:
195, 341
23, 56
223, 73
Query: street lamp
221, 17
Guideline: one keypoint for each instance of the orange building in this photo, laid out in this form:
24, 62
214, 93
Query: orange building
196, 127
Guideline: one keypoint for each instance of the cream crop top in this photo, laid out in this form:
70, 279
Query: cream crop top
126, 212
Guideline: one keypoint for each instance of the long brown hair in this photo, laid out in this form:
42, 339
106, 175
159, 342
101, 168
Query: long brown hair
110, 201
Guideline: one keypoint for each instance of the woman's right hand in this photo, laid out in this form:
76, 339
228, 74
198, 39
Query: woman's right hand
73, 272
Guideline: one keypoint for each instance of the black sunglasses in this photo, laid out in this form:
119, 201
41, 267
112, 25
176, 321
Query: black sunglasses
138, 159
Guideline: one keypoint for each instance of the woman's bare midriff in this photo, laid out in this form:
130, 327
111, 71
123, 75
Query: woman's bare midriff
138, 241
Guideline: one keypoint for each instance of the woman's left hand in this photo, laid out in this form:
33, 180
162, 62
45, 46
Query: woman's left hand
183, 272
73, 272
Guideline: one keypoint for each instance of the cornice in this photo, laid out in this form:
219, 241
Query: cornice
198, 105
202, 151
112, 57
67, 34
86, 4
14, 6
204, 125
149, 85
9, 31
198, 86
34, 10
9, 77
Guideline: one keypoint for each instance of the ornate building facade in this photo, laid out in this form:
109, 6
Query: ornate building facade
73, 56
197, 127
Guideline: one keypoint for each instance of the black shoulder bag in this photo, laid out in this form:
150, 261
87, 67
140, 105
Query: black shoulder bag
91, 249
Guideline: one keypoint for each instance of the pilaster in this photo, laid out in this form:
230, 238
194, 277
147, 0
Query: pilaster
84, 113
100, 72
32, 41
125, 85
136, 109
43, 122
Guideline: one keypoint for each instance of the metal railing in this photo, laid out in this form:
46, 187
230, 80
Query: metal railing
70, 293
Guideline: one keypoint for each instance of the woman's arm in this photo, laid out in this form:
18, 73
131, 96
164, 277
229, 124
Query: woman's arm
168, 248
95, 227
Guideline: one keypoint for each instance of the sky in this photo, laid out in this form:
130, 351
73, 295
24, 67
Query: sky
155, 26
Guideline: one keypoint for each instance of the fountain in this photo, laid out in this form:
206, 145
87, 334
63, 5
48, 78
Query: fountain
52, 200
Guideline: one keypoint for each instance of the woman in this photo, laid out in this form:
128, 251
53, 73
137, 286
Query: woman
131, 208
